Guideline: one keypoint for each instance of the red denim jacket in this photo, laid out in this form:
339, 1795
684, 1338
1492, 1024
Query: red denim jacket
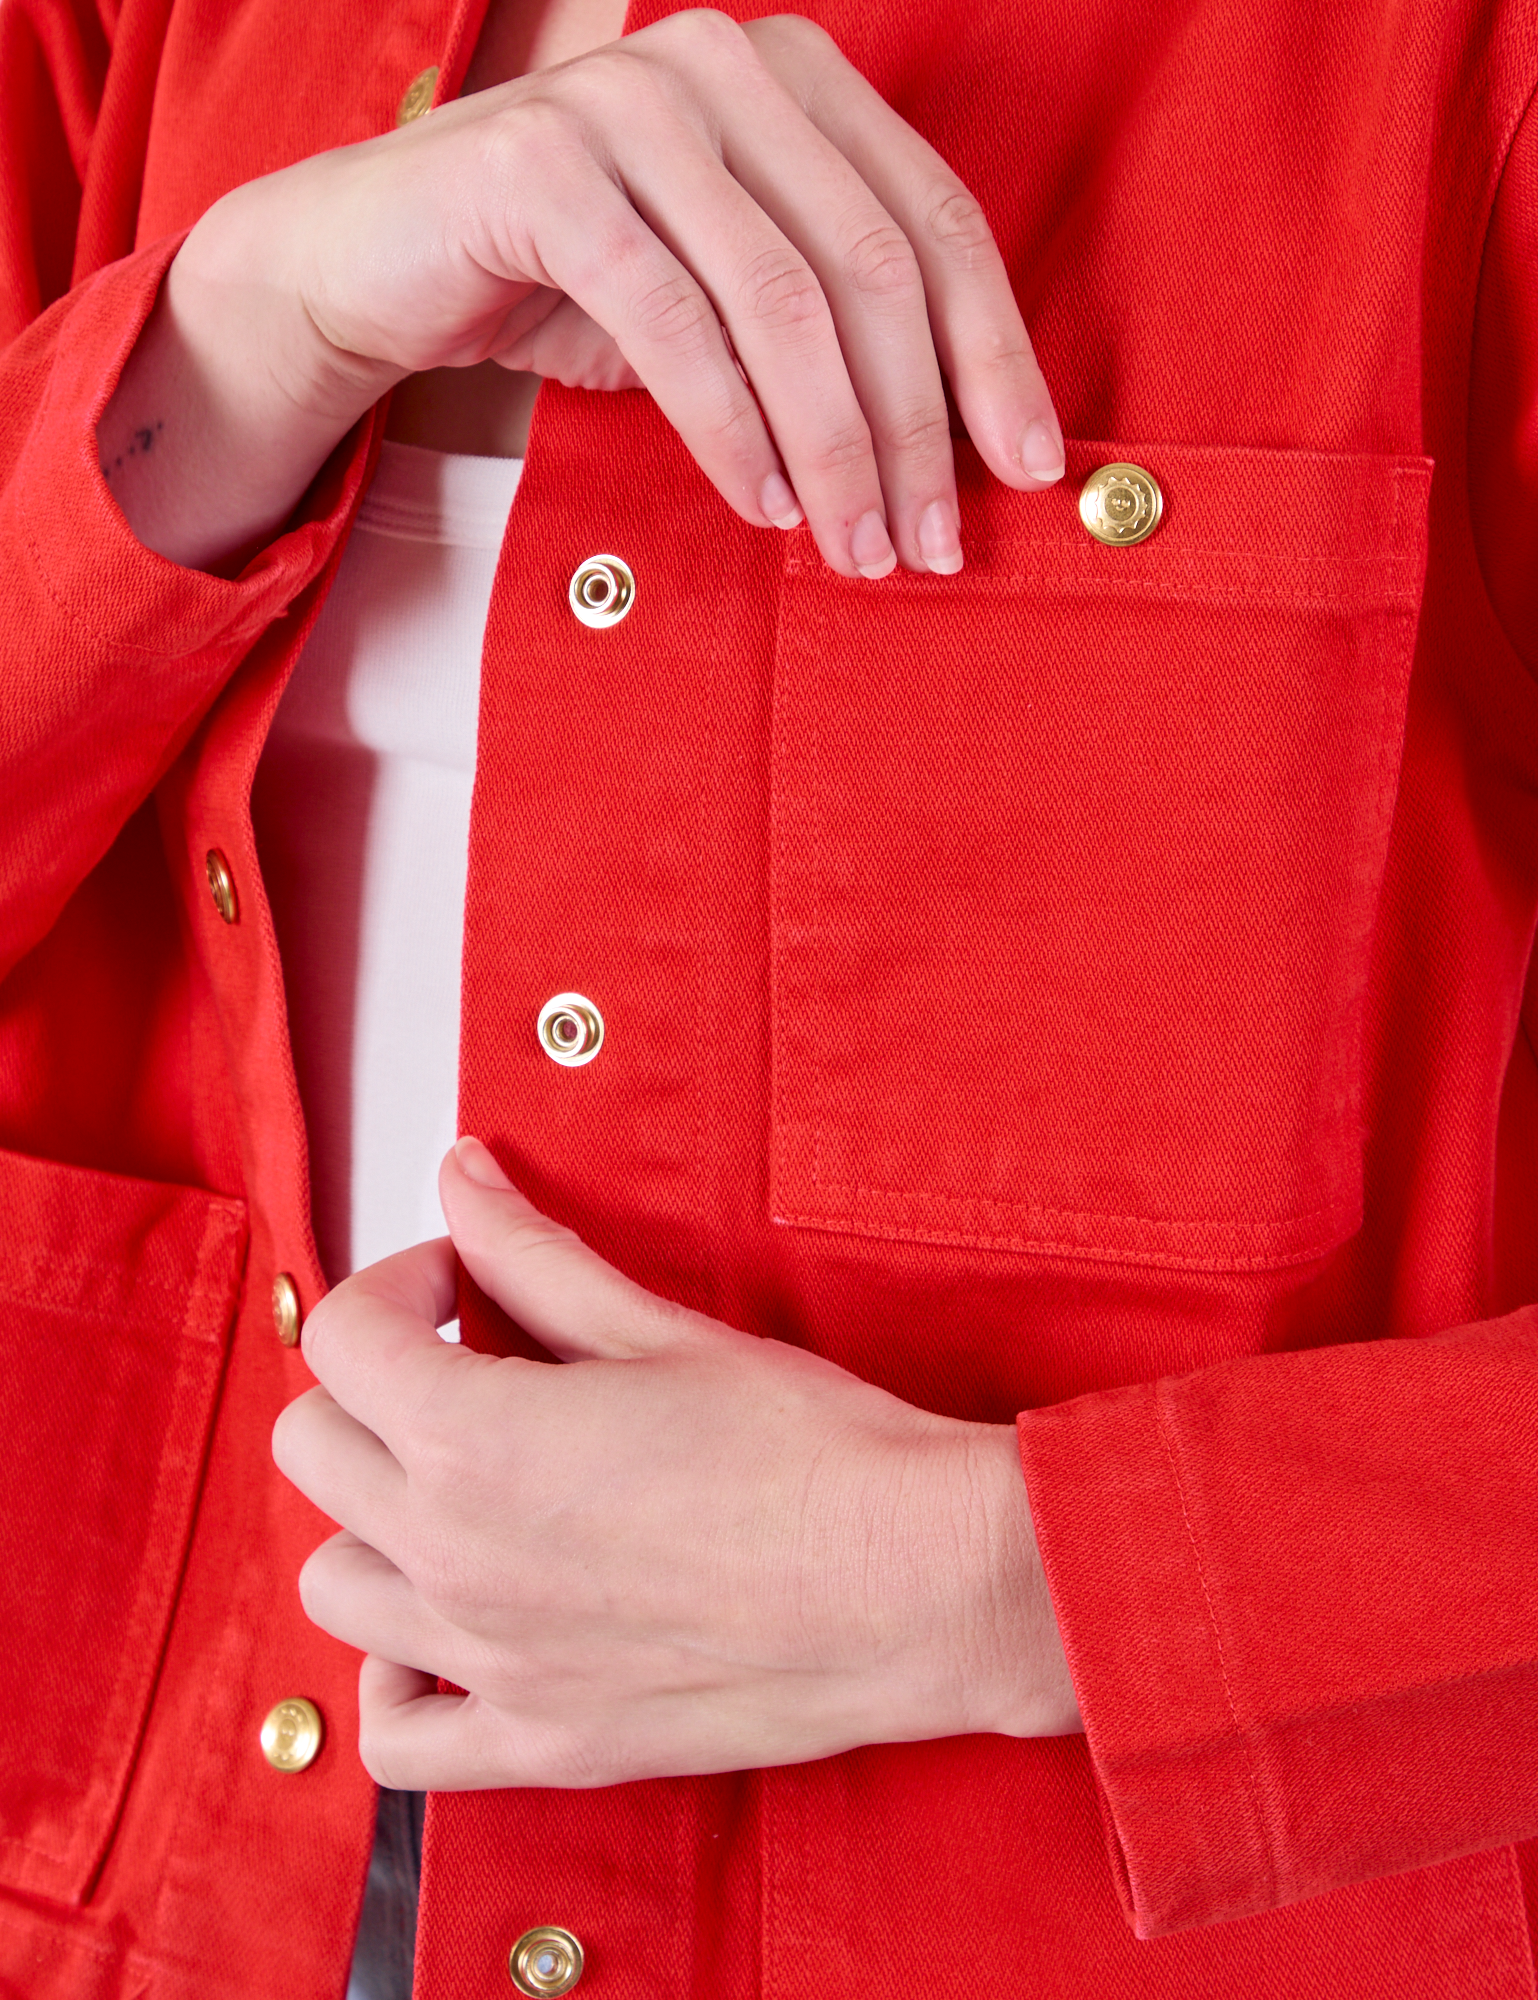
1091, 986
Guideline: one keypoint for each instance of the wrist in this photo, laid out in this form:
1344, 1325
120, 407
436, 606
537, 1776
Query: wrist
231, 400
236, 290
1017, 1679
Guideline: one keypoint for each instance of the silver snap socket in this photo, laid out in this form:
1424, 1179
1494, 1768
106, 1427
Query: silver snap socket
570, 1029
602, 591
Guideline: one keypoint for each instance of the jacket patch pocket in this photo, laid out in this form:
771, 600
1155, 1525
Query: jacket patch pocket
1075, 859
116, 1299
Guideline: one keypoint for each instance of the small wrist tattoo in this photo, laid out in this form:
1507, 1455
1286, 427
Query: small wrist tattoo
141, 442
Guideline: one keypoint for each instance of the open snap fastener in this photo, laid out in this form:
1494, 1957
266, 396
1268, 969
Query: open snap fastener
545, 1961
602, 591
570, 1029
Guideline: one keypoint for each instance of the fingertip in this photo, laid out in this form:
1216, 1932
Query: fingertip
282, 1423
304, 1585
870, 547
478, 1163
1041, 450
383, 1684
939, 538
778, 500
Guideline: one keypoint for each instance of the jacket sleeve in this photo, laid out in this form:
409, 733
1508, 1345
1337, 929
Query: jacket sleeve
1296, 1594
1299, 1592
109, 655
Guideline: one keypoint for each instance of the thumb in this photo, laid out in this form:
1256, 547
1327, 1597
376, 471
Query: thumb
543, 1275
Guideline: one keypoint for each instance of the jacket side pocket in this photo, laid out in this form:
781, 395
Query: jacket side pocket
116, 1300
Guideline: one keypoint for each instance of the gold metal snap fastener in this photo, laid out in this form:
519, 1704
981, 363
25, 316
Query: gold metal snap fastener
221, 885
570, 1029
602, 591
286, 1316
545, 1961
419, 96
1121, 504
292, 1734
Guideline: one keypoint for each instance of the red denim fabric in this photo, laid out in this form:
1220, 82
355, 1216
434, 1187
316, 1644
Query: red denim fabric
1091, 986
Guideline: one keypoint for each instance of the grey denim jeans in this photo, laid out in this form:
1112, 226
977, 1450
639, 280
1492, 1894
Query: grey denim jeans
385, 1951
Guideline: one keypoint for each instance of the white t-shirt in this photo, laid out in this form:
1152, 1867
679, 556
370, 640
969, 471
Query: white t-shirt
362, 810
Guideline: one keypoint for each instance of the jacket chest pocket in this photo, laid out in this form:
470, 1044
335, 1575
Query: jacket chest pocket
1075, 860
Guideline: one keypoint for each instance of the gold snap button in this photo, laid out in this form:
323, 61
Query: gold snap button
544, 1961
1121, 504
221, 885
285, 1309
570, 1029
602, 591
419, 96
291, 1735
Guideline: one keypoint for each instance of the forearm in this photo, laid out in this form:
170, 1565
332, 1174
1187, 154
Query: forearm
231, 400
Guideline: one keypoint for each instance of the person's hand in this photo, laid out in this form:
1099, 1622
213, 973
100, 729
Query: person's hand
729, 215
685, 1550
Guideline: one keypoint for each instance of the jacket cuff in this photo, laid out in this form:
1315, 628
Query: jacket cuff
1178, 1796
123, 598
1292, 1591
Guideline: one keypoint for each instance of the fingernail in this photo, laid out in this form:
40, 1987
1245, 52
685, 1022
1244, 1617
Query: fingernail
940, 538
1041, 451
779, 502
477, 1164
871, 546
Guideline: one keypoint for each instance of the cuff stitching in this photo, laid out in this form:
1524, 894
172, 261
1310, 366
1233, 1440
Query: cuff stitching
1162, 1427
